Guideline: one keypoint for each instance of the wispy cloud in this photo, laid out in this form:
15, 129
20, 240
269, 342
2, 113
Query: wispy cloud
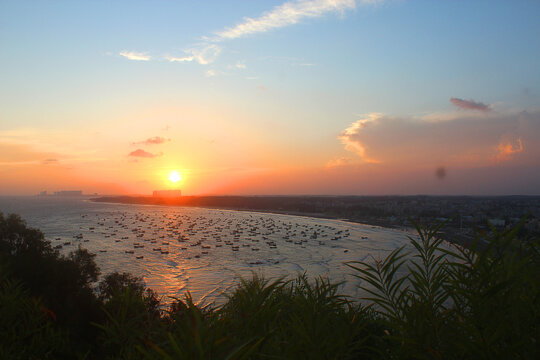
289, 13
351, 137
180, 59
132, 55
142, 153
204, 54
156, 140
469, 104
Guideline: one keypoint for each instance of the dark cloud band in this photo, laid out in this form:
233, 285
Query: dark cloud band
469, 104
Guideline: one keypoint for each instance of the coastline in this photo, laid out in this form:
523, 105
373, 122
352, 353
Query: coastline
140, 200
293, 205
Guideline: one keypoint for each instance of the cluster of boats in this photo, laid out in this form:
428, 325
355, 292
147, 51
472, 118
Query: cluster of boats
142, 234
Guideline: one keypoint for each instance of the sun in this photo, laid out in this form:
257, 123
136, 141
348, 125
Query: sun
174, 176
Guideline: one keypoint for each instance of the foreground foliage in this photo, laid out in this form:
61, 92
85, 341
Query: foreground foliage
433, 301
457, 303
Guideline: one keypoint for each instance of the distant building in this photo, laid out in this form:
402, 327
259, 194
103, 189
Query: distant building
43, 193
167, 193
68, 193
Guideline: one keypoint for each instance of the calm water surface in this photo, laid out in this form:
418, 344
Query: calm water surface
204, 251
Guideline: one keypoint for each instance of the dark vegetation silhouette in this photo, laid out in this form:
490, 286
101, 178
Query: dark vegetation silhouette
435, 302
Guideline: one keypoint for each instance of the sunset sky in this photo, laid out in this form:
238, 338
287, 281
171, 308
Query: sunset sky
270, 97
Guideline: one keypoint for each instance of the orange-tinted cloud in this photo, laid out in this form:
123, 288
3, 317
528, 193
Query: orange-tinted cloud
507, 150
156, 140
464, 142
469, 104
142, 153
351, 137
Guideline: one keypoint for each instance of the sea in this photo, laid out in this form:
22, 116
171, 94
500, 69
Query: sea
203, 251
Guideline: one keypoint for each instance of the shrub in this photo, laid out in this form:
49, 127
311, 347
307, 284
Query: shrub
62, 283
458, 303
27, 328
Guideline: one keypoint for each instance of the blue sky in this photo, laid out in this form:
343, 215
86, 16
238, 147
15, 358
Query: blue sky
393, 57
289, 75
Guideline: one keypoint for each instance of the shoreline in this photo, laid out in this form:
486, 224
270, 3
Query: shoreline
144, 201
410, 230
270, 204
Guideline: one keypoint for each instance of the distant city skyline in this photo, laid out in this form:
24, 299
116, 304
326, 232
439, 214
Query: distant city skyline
333, 97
